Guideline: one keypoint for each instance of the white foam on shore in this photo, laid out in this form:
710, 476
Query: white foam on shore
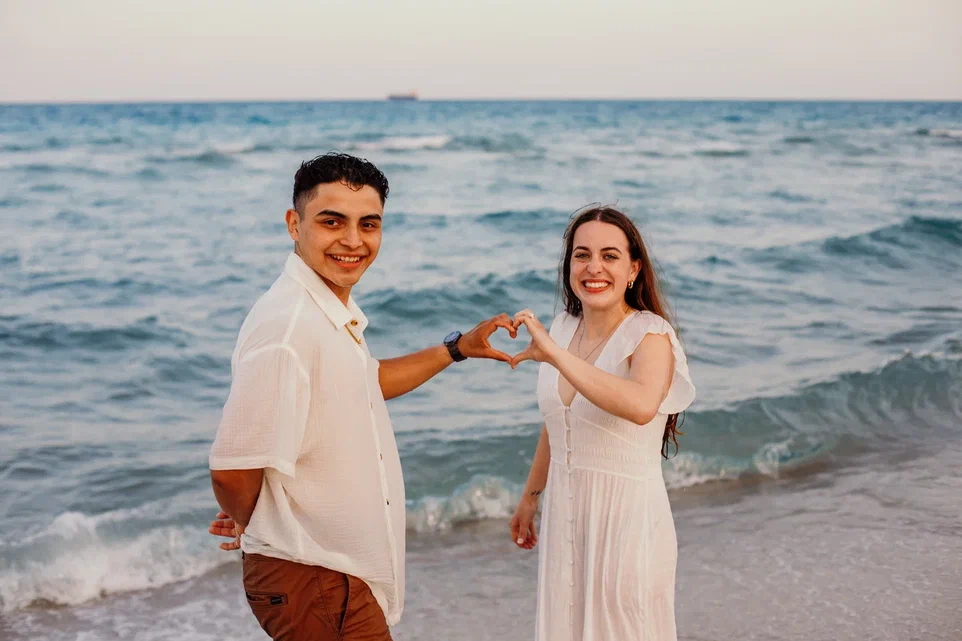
484, 497
406, 143
75, 560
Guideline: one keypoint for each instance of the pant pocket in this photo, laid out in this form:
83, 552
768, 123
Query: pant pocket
266, 599
336, 597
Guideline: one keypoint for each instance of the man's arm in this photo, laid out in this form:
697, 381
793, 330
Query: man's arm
401, 375
236, 492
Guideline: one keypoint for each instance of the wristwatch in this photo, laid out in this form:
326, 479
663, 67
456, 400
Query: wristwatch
451, 342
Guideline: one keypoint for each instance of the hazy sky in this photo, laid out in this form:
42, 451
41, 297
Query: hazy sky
93, 50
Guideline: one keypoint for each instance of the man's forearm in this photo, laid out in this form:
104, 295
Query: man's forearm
236, 492
403, 374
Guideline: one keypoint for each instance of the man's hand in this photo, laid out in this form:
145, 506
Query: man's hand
475, 343
225, 526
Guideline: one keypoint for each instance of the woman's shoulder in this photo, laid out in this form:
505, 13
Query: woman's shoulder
641, 324
645, 322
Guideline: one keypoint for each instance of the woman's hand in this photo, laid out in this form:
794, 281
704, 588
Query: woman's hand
225, 526
541, 346
522, 523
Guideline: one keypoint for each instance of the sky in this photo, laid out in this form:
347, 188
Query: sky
128, 50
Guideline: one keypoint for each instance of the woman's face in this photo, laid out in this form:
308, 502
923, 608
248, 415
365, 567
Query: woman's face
601, 265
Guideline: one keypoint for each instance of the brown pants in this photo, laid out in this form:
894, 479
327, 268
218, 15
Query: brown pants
295, 602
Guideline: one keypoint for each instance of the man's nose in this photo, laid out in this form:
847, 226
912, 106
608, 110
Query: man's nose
351, 238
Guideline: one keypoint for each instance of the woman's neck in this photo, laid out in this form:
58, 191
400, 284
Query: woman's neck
601, 322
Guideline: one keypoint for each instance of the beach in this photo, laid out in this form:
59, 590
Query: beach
811, 251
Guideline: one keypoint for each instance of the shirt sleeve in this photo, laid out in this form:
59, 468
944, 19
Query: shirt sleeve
265, 415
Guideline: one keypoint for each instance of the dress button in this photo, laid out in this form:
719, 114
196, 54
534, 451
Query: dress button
353, 322
389, 501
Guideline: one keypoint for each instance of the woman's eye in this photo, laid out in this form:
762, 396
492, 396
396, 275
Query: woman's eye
581, 256
611, 257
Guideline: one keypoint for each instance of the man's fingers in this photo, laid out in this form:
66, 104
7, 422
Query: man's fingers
223, 531
504, 322
496, 355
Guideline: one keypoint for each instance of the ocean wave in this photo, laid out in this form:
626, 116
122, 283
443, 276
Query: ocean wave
206, 158
482, 498
489, 291
910, 398
951, 134
221, 155
798, 140
82, 336
721, 150
896, 246
507, 143
404, 143
48, 169
80, 557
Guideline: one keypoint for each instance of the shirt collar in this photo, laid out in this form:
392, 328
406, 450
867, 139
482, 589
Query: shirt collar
349, 316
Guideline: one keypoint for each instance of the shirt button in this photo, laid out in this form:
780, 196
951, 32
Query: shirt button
380, 455
389, 502
353, 322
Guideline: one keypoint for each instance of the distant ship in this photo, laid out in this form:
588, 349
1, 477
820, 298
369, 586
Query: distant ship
412, 95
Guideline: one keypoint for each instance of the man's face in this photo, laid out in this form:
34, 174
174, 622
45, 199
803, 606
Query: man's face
338, 233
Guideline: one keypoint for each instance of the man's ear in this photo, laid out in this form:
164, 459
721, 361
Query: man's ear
293, 224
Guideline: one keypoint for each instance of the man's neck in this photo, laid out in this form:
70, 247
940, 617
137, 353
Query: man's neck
343, 293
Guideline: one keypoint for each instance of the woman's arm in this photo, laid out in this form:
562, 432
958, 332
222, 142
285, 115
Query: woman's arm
523, 531
636, 398
538, 476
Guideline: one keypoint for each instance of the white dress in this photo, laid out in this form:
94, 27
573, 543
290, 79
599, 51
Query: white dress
607, 542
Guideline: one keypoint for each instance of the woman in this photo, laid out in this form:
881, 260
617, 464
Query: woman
612, 382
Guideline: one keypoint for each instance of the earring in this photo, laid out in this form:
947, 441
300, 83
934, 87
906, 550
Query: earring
631, 284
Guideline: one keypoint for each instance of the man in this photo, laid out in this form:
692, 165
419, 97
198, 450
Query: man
305, 461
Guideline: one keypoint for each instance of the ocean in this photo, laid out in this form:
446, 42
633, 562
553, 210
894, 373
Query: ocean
812, 252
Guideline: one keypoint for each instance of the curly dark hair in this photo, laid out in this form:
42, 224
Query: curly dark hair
334, 167
644, 294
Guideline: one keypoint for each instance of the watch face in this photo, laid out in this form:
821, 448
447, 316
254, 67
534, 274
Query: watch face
453, 336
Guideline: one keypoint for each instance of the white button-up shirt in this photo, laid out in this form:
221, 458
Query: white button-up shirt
305, 404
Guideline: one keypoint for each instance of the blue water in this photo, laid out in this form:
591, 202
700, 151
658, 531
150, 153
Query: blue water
812, 252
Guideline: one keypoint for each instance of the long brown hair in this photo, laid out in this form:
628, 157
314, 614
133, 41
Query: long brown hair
644, 294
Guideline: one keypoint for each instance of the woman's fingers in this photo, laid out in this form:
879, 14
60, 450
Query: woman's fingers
526, 355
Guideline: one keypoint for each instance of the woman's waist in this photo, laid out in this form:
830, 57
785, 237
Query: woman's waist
638, 466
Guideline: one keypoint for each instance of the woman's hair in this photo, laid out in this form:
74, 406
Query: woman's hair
644, 294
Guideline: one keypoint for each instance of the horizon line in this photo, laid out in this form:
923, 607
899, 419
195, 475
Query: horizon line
188, 101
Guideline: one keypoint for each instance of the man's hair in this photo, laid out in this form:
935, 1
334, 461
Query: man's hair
336, 168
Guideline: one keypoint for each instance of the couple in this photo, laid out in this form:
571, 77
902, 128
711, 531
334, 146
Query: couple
305, 466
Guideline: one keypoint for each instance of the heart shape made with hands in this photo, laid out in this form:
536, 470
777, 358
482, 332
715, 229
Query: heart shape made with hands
476, 344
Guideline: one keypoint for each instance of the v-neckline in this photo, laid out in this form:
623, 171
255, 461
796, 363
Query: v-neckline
557, 378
